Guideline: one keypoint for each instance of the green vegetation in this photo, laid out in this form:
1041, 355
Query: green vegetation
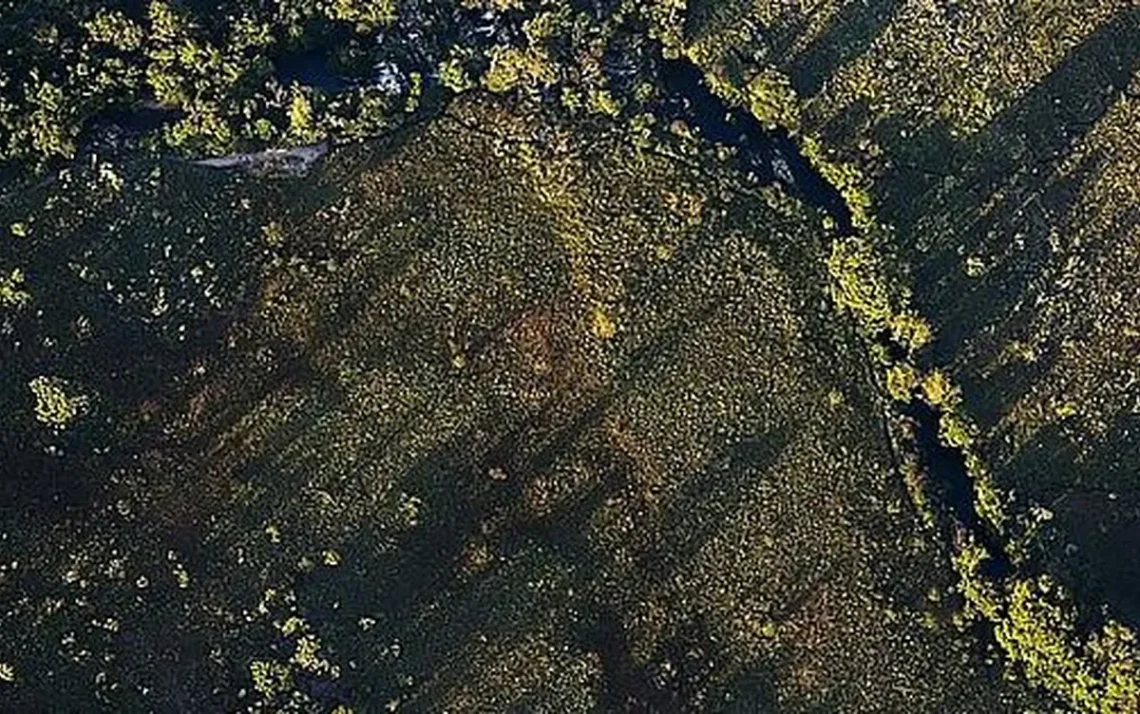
58, 404
940, 128
532, 401
859, 285
901, 381
12, 294
362, 407
216, 73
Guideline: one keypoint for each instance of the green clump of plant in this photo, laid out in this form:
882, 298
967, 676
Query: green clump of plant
989, 501
938, 389
603, 102
302, 127
954, 431
453, 74
271, 678
1038, 632
901, 381
12, 293
858, 283
666, 24
512, 68
1035, 623
367, 15
58, 403
979, 592
911, 330
772, 100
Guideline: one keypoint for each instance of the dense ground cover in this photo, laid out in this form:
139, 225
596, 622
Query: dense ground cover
536, 401
991, 144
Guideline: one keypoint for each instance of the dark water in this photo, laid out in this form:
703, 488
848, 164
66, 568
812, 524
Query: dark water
944, 464
771, 156
310, 68
118, 123
952, 484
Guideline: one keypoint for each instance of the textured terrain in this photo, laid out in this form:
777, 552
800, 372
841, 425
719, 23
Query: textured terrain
535, 400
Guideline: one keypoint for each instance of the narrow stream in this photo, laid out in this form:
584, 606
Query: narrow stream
311, 68
953, 485
767, 156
